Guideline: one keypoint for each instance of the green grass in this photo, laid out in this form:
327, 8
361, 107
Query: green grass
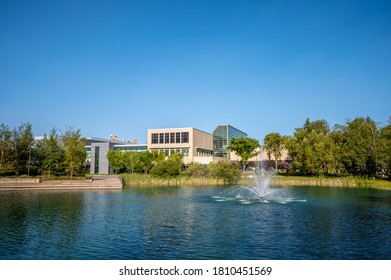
148, 180
349, 181
278, 180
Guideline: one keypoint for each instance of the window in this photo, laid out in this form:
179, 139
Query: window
185, 152
178, 137
166, 152
96, 162
172, 152
172, 137
185, 137
166, 138
161, 138
155, 138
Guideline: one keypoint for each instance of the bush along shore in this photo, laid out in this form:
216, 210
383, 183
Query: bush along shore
149, 180
330, 182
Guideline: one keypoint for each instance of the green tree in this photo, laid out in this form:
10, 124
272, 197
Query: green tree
272, 143
176, 157
385, 150
116, 160
312, 149
245, 148
23, 140
7, 155
226, 171
147, 159
52, 162
166, 168
75, 152
169, 167
361, 146
130, 160
198, 170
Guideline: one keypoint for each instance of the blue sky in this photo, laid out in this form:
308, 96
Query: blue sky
121, 67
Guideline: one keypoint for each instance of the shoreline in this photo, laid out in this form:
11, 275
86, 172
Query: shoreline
278, 180
95, 183
346, 182
137, 180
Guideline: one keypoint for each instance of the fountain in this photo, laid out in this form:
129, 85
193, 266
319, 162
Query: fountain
260, 191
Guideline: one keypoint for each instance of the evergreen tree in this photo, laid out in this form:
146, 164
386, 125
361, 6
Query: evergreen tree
75, 152
23, 141
7, 155
53, 155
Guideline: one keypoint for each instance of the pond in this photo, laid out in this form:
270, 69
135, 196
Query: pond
194, 223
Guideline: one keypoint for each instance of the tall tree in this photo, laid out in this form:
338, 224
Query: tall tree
385, 149
362, 146
116, 160
53, 155
244, 147
7, 155
23, 140
169, 167
272, 143
312, 149
75, 152
147, 159
130, 160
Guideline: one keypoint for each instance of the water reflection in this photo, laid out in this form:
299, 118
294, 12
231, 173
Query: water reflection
188, 223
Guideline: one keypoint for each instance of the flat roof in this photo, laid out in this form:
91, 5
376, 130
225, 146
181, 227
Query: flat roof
177, 128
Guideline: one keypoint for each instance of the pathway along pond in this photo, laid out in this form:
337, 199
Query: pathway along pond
195, 223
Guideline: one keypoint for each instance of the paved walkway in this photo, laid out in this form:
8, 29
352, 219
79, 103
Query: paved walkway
97, 182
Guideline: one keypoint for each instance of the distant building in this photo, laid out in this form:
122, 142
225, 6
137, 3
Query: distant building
193, 144
97, 149
222, 137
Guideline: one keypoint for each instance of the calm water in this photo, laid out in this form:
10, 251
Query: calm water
190, 223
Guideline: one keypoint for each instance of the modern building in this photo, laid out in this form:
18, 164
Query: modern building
222, 137
97, 149
193, 144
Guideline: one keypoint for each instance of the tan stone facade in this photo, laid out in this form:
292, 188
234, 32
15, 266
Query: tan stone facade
262, 156
194, 144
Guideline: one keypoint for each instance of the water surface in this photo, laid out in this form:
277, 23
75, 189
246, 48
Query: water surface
190, 223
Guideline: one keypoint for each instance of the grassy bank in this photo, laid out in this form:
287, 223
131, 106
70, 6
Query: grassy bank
147, 180
330, 182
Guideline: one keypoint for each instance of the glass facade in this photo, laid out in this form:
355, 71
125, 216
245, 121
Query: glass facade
88, 152
125, 148
167, 152
222, 137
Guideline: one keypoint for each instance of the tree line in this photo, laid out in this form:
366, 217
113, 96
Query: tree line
358, 147
156, 164
54, 155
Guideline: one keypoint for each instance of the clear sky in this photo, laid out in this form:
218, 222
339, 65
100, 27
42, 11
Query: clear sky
123, 66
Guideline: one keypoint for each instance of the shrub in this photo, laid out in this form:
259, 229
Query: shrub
166, 168
198, 170
225, 170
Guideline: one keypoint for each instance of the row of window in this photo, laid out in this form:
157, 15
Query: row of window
170, 137
167, 152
